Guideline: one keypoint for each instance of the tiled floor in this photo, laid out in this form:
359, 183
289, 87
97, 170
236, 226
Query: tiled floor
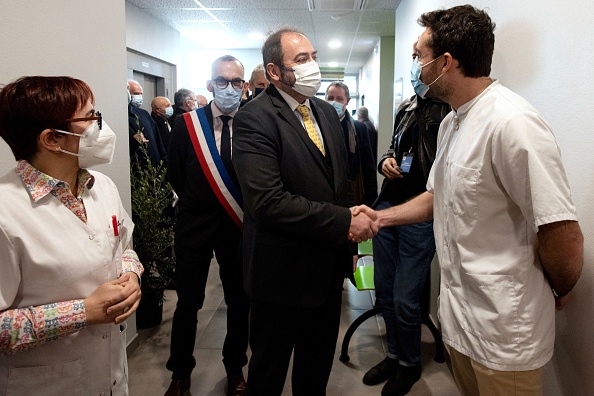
148, 375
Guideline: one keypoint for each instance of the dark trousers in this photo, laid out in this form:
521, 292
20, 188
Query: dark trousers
191, 273
277, 331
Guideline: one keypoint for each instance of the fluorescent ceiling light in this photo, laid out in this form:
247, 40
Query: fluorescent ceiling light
334, 44
332, 64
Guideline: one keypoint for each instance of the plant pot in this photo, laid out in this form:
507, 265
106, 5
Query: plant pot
150, 310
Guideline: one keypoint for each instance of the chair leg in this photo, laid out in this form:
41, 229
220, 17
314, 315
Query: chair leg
344, 353
439, 354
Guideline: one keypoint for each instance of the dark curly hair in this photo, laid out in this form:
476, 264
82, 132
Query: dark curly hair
466, 33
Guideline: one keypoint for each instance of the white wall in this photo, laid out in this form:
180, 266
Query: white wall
82, 39
544, 52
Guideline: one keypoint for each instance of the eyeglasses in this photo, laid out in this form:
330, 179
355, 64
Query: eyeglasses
223, 83
95, 117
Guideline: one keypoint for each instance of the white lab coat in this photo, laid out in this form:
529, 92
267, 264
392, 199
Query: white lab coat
48, 255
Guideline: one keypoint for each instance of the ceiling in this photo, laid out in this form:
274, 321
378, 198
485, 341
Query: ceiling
243, 24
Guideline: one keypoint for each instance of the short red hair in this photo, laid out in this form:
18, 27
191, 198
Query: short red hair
34, 103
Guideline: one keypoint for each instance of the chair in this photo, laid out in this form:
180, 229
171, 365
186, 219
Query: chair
364, 281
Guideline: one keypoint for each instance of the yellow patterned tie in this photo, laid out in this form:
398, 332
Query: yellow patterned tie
309, 126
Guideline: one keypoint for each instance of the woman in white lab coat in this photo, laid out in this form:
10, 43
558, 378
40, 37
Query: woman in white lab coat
68, 280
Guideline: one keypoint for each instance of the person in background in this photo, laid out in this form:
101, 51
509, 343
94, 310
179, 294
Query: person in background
506, 231
142, 129
201, 101
69, 278
291, 163
209, 218
363, 116
402, 254
162, 111
361, 168
258, 83
184, 100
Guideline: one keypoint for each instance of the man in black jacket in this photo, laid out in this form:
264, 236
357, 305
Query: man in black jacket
402, 255
291, 164
362, 179
209, 218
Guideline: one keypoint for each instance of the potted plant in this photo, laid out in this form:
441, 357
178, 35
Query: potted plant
152, 199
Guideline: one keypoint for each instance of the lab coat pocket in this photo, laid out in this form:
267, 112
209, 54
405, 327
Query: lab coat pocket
57, 379
491, 307
463, 199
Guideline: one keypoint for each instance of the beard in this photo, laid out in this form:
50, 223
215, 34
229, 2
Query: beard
286, 79
439, 88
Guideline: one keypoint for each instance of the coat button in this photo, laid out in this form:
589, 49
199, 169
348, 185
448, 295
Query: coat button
104, 336
91, 237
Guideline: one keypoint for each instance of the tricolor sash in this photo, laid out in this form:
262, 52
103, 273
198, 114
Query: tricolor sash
212, 165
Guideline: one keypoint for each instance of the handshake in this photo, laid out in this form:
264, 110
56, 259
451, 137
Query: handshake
364, 224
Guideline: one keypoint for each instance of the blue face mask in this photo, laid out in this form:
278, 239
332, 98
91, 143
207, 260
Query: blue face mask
169, 111
419, 86
339, 107
227, 99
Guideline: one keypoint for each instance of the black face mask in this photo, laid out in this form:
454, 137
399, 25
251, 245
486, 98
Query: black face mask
258, 91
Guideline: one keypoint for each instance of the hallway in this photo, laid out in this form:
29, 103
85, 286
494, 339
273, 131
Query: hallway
148, 375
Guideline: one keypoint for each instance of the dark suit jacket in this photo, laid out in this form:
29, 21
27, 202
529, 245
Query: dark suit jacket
141, 119
177, 112
162, 128
199, 212
295, 216
372, 137
362, 162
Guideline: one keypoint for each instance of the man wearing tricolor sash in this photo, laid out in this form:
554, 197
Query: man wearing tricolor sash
209, 219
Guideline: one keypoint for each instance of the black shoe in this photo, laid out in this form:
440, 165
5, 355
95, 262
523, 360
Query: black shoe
178, 387
381, 371
401, 383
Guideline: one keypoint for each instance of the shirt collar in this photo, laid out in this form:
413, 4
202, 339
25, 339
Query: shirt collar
38, 184
292, 102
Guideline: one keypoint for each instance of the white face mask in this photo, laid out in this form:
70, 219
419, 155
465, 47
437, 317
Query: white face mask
95, 147
308, 78
136, 100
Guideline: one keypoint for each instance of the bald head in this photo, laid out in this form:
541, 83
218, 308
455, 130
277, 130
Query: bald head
134, 87
159, 105
201, 101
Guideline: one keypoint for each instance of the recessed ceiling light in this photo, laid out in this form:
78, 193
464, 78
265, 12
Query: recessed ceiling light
334, 44
332, 64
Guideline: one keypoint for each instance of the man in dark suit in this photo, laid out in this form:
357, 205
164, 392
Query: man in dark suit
209, 218
363, 116
142, 128
363, 181
161, 112
291, 163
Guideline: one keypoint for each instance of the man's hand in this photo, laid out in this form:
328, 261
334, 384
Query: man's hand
363, 224
391, 170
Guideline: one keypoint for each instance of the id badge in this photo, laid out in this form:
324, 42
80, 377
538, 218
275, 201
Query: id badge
406, 162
